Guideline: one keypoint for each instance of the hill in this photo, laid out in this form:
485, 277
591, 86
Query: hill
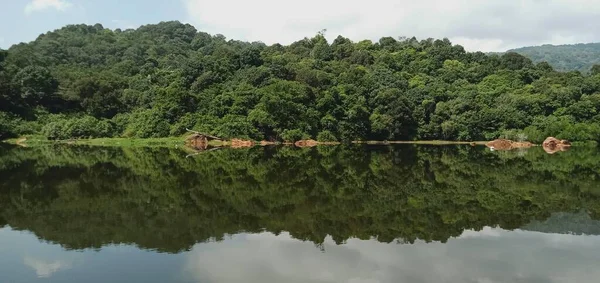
88, 81
576, 57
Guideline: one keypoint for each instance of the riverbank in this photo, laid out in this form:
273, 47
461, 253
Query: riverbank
434, 142
121, 142
33, 140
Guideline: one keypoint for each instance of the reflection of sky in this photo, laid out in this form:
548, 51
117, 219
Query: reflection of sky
24, 259
45, 268
491, 255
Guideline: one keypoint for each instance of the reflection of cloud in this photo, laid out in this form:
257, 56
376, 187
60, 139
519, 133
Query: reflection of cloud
491, 255
44, 268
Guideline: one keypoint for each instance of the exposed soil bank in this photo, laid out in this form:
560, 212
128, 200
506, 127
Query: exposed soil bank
237, 143
311, 143
553, 145
503, 144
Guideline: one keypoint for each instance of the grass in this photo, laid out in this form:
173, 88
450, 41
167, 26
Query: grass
33, 140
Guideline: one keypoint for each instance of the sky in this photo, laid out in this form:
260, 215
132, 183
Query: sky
478, 25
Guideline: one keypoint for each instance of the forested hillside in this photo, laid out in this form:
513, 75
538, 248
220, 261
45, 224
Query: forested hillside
87, 81
575, 57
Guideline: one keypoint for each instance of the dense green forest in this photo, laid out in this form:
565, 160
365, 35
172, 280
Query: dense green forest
576, 57
88, 197
87, 81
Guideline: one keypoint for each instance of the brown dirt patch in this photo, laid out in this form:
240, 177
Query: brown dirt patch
504, 144
553, 145
264, 143
237, 143
306, 143
197, 141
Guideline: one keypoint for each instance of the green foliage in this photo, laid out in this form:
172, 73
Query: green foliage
78, 127
149, 123
158, 199
7, 126
293, 135
326, 136
158, 80
595, 70
236, 126
577, 57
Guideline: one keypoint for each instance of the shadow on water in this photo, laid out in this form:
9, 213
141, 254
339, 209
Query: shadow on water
156, 198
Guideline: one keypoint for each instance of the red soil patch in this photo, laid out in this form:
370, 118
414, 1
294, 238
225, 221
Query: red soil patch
237, 143
197, 141
553, 145
504, 144
306, 143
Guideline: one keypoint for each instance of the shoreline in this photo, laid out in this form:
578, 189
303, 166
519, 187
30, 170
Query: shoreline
179, 141
425, 142
27, 141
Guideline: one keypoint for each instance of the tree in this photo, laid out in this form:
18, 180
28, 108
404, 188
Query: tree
159, 79
35, 84
595, 69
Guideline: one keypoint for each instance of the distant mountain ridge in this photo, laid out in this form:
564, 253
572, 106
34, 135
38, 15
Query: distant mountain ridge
574, 57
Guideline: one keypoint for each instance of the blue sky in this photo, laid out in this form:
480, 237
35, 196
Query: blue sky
20, 24
490, 25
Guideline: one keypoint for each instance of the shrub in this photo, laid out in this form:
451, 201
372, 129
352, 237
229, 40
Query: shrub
54, 131
78, 127
120, 122
293, 135
7, 126
237, 126
188, 121
326, 136
149, 123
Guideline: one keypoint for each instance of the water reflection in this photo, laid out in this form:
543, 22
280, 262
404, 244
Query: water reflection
325, 214
490, 255
45, 268
24, 258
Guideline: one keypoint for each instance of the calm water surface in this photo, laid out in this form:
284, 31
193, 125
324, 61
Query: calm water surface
328, 214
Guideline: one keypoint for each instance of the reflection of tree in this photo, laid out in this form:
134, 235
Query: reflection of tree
158, 199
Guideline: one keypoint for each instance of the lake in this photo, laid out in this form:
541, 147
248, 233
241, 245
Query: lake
348, 213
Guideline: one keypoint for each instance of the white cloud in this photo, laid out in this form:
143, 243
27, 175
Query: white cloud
40, 5
490, 255
491, 25
124, 24
44, 268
